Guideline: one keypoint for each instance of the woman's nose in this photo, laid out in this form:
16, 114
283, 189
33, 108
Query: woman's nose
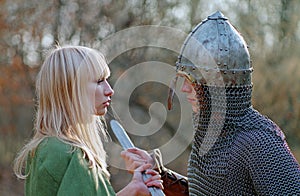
108, 91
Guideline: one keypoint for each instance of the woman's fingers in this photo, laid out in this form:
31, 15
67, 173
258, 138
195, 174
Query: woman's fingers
141, 153
131, 156
155, 183
143, 167
137, 174
154, 175
134, 158
152, 172
153, 180
132, 161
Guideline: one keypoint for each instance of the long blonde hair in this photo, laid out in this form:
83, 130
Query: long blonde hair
64, 109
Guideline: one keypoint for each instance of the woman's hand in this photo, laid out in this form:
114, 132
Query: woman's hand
138, 186
135, 157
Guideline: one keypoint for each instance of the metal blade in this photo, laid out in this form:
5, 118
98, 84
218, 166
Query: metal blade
121, 134
126, 143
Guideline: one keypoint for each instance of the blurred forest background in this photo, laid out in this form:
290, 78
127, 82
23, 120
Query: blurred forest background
28, 28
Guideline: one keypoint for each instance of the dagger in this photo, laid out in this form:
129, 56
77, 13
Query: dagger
126, 143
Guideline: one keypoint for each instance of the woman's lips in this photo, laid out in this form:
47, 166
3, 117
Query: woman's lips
107, 103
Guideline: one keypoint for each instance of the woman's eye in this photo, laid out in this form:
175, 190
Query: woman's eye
99, 81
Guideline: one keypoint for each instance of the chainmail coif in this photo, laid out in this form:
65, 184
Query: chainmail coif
249, 156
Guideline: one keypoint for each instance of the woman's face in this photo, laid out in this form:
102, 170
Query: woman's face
103, 95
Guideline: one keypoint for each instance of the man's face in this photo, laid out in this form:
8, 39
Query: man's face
188, 88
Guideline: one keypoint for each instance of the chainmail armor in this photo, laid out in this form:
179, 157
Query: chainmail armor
249, 156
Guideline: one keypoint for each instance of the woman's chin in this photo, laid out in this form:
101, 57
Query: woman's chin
101, 112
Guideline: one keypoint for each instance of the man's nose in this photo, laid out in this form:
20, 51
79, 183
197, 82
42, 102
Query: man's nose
186, 87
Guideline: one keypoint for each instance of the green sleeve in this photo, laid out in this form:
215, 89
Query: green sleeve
56, 170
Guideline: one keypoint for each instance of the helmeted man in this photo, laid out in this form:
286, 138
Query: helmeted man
236, 150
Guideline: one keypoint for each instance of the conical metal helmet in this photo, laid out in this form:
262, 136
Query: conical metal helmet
215, 54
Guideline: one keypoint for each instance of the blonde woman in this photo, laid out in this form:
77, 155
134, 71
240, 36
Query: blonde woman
66, 154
